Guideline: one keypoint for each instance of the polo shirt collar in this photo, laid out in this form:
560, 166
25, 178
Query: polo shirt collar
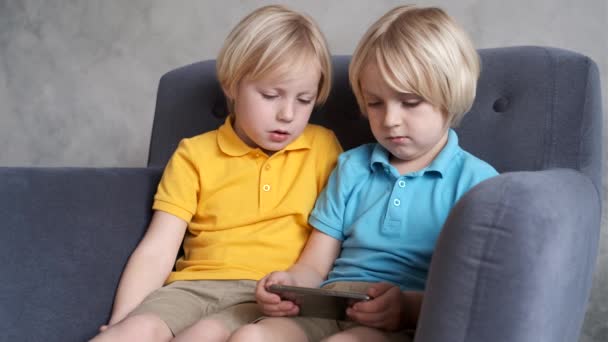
231, 144
442, 162
380, 156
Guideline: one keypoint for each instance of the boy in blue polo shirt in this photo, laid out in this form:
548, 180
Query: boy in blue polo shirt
414, 75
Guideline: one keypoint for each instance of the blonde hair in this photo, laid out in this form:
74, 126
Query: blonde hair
422, 51
272, 40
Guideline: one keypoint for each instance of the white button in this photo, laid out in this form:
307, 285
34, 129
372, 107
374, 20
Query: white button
396, 202
266, 187
267, 167
402, 183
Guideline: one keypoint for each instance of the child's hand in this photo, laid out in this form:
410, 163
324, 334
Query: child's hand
107, 326
383, 311
270, 303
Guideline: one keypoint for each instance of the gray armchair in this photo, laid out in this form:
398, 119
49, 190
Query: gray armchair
514, 261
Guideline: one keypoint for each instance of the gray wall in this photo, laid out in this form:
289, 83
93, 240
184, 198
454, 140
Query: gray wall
78, 78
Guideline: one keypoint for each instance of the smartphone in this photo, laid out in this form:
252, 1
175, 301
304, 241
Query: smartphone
317, 302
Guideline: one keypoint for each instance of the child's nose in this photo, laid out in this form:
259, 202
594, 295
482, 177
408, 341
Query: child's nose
286, 112
392, 116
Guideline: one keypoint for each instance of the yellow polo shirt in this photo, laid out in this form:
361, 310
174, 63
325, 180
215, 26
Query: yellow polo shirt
247, 213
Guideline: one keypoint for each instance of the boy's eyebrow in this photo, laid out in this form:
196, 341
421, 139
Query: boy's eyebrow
406, 95
281, 89
410, 96
306, 92
368, 93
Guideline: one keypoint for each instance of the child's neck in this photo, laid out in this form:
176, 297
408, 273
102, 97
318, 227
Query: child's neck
419, 163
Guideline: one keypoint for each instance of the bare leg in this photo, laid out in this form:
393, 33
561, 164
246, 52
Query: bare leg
208, 330
137, 328
270, 329
357, 334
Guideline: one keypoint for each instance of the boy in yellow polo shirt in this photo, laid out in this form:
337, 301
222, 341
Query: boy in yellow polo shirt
239, 197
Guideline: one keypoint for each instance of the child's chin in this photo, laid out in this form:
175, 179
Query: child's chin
277, 146
270, 149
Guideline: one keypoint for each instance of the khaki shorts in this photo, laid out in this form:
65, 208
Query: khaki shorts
183, 303
318, 328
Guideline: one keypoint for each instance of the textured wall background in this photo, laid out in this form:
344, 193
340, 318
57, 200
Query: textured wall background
78, 78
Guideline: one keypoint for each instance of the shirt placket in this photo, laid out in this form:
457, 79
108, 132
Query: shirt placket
397, 202
268, 183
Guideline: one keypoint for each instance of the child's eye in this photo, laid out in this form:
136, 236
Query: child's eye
305, 101
269, 96
374, 104
410, 104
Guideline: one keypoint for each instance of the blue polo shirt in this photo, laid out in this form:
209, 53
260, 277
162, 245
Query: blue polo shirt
388, 223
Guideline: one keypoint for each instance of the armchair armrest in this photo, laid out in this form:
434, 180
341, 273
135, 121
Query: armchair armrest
65, 236
515, 261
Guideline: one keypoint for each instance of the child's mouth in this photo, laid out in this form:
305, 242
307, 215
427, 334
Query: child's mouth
397, 139
278, 136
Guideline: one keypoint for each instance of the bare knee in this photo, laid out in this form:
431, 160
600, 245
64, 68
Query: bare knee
137, 328
357, 334
271, 329
207, 329
249, 333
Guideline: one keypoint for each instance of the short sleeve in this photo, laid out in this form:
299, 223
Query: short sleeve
328, 213
179, 188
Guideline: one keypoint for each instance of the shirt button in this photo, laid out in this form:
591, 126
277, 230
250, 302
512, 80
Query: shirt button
266, 187
257, 155
267, 167
396, 202
402, 184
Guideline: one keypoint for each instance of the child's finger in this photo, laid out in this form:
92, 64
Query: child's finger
374, 305
284, 308
280, 278
266, 297
378, 289
371, 319
386, 296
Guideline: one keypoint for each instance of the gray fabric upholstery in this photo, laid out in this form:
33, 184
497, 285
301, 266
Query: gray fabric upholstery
65, 238
536, 108
513, 263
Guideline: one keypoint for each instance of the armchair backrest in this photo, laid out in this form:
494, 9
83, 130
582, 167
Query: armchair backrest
536, 108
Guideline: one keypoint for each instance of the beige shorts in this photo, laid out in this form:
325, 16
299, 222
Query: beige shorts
183, 303
318, 328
